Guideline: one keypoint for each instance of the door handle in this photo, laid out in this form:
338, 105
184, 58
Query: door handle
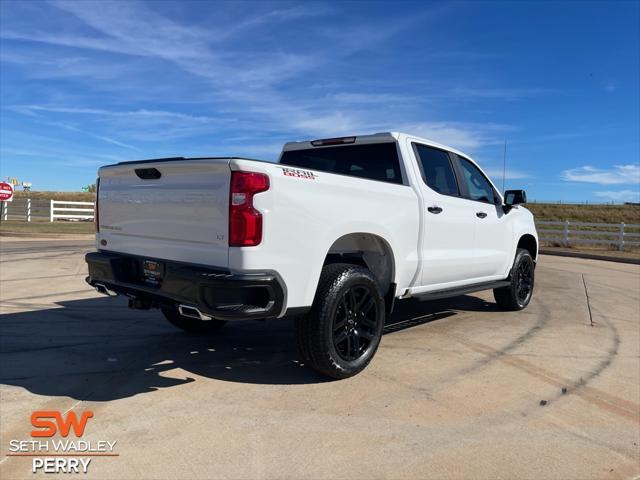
434, 209
481, 214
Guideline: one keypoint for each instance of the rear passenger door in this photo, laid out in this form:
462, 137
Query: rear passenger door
448, 229
492, 245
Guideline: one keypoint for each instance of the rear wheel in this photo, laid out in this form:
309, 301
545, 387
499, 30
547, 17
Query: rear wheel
341, 333
192, 325
518, 294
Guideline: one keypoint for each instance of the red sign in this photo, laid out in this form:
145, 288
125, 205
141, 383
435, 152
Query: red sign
6, 191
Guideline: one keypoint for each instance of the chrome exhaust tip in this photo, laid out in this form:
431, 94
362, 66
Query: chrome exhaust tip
101, 288
192, 312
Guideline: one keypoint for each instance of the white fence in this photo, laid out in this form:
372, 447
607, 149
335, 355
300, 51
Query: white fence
26, 209
577, 233
78, 210
565, 233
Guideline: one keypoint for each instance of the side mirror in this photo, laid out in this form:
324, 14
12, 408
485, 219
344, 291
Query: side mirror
513, 197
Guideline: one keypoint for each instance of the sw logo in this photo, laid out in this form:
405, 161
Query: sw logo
61, 455
42, 420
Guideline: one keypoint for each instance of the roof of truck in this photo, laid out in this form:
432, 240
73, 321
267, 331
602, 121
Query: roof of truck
371, 138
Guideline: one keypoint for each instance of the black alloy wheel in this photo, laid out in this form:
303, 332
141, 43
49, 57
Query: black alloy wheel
517, 295
354, 323
524, 281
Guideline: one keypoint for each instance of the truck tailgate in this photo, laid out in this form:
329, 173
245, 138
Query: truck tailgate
180, 215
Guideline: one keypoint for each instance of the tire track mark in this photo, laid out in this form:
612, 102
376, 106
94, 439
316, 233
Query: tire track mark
491, 355
606, 401
458, 375
611, 403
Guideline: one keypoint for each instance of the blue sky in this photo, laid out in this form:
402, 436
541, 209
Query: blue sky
85, 84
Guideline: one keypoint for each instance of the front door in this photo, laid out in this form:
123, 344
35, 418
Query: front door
492, 245
449, 225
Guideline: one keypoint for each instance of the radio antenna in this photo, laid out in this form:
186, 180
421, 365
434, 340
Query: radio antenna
504, 164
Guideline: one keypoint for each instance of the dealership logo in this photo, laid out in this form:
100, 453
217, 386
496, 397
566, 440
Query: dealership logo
69, 454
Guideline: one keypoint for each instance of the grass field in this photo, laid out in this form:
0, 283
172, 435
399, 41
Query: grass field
586, 213
69, 196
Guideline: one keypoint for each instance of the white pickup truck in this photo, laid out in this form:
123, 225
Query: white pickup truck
332, 234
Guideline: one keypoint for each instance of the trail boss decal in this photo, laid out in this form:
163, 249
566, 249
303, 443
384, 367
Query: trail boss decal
296, 172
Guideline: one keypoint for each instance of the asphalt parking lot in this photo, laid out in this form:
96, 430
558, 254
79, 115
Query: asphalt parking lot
457, 389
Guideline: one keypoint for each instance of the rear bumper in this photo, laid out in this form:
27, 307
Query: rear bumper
215, 292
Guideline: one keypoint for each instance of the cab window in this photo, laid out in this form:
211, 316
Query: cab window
375, 161
477, 184
437, 172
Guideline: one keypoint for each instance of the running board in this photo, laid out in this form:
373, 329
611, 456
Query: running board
457, 291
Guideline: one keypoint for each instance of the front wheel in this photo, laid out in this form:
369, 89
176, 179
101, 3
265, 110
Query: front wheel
191, 325
518, 294
341, 333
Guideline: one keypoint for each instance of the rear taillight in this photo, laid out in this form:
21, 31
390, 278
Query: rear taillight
245, 222
96, 213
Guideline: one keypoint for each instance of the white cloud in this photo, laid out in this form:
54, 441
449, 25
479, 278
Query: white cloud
459, 135
621, 195
371, 98
619, 174
244, 89
263, 150
142, 124
142, 113
278, 15
330, 124
511, 174
501, 93
243, 84
104, 138
42, 65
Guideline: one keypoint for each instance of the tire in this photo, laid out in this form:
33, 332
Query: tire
192, 325
341, 333
518, 294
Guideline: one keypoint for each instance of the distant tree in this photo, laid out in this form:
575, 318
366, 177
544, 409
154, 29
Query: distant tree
92, 188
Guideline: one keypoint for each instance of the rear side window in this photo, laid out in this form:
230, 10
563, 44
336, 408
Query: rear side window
436, 170
376, 161
477, 184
